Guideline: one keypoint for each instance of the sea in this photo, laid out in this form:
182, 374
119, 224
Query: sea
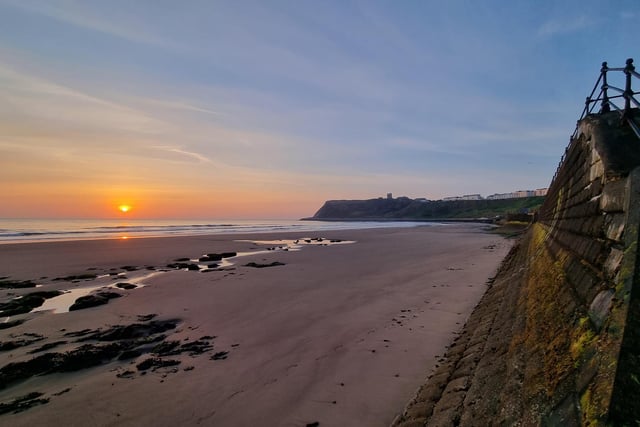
45, 230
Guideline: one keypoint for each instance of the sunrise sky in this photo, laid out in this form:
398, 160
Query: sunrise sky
265, 109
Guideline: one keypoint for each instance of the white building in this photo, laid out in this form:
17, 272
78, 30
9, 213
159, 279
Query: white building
465, 197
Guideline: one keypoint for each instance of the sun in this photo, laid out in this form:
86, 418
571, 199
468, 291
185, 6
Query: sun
124, 208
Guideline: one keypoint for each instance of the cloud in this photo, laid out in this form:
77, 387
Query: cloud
79, 15
199, 157
556, 27
37, 99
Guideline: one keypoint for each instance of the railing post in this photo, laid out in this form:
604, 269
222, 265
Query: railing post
605, 98
628, 93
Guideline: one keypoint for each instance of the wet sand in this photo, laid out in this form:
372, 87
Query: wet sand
339, 335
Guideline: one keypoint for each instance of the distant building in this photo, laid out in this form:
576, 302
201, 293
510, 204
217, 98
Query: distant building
524, 193
500, 196
389, 196
465, 197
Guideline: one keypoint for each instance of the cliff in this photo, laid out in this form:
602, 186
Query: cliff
555, 339
406, 208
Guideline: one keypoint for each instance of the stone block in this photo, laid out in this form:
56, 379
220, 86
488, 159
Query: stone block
596, 171
596, 187
593, 207
593, 251
600, 306
613, 262
613, 196
615, 227
584, 282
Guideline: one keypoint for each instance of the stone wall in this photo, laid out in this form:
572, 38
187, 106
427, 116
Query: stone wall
555, 340
590, 223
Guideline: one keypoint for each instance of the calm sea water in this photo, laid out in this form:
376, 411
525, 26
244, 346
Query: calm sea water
31, 230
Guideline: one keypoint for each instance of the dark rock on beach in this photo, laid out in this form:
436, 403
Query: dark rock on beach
26, 303
47, 346
21, 342
123, 342
132, 331
93, 300
217, 257
258, 265
11, 324
16, 284
23, 403
228, 254
183, 265
221, 355
126, 286
88, 276
83, 357
156, 362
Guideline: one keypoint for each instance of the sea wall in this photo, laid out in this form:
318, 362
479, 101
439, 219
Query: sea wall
555, 340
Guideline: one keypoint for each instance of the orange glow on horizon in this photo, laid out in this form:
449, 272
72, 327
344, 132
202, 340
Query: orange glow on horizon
124, 208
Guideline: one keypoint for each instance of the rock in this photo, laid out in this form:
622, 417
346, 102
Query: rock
88, 276
156, 362
221, 355
218, 257
83, 357
23, 403
47, 346
126, 286
166, 348
183, 265
93, 300
26, 303
11, 324
16, 284
257, 265
132, 331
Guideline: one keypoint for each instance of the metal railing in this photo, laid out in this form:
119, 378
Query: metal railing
605, 99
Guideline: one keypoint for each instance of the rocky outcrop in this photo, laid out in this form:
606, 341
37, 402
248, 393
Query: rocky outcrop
408, 209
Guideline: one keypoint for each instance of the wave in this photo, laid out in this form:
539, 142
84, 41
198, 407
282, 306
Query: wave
41, 230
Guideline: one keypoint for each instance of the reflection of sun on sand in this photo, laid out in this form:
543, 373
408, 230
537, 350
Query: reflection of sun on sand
342, 336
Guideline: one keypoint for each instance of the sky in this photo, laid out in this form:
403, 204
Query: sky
265, 109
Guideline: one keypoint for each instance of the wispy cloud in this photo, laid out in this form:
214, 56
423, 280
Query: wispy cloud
565, 25
37, 98
77, 14
199, 157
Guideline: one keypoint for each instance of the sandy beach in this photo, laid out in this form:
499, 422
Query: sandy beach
329, 334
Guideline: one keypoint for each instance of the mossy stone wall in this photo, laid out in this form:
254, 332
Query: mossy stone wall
589, 228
